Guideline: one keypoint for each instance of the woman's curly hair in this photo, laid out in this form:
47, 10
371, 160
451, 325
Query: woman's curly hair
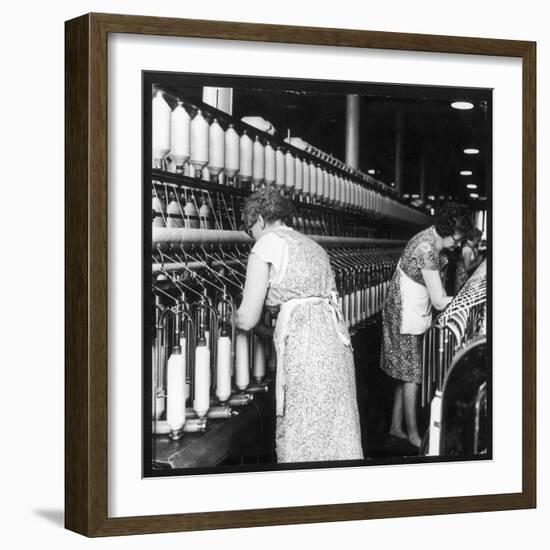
453, 218
270, 204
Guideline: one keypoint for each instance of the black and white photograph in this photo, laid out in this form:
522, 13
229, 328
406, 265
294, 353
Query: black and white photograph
289, 288
315, 264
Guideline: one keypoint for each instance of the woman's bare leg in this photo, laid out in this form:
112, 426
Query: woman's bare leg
410, 392
396, 427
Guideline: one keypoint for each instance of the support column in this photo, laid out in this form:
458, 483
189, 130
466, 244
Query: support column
352, 130
399, 151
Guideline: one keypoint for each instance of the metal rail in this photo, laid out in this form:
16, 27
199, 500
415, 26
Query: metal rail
183, 236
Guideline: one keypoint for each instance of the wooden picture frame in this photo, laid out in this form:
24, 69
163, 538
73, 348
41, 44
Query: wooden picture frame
86, 315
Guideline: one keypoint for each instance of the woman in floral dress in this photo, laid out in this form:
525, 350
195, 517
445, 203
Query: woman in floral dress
316, 402
416, 286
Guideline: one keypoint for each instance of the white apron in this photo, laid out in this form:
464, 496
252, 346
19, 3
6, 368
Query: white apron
416, 307
281, 331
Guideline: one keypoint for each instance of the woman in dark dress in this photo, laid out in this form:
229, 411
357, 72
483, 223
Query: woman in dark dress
415, 288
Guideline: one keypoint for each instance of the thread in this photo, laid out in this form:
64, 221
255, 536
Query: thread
201, 402
242, 374
175, 391
223, 365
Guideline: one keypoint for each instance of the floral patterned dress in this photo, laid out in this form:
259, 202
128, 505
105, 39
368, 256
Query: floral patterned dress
320, 420
402, 353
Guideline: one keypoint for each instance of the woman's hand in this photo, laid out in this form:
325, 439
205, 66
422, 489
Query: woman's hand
435, 289
263, 331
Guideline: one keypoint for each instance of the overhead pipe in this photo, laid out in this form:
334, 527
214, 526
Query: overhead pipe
178, 266
183, 236
356, 241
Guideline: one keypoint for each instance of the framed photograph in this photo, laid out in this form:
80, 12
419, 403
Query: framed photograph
300, 280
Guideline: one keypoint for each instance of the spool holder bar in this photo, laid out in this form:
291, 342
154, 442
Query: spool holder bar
183, 236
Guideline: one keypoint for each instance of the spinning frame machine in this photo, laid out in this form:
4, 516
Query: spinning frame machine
212, 397
455, 373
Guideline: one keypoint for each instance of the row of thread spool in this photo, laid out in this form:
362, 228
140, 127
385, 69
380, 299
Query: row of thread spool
362, 279
202, 375
195, 209
196, 148
184, 208
203, 368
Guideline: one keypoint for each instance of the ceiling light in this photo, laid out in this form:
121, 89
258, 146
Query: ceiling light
462, 105
471, 186
466, 172
371, 171
431, 197
471, 151
415, 196
474, 195
405, 196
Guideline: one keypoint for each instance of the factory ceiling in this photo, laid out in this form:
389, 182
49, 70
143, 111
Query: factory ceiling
434, 135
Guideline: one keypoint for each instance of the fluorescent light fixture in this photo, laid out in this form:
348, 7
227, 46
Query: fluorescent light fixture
372, 171
415, 196
471, 151
466, 172
431, 197
474, 195
471, 186
432, 211
405, 196
462, 105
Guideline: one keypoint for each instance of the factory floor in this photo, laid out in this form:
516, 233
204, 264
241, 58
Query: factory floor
375, 398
